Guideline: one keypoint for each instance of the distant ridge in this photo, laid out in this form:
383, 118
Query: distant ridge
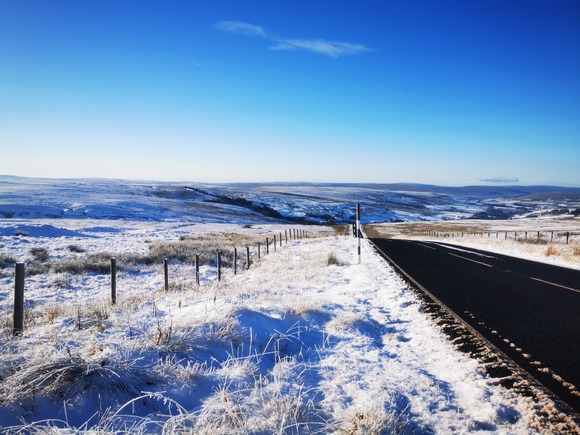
476, 191
298, 203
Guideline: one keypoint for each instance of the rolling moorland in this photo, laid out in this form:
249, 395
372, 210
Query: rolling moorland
303, 203
305, 340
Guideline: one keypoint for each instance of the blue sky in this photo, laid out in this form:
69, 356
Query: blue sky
444, 92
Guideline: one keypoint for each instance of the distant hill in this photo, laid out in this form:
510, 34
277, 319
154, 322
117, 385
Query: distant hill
316, 203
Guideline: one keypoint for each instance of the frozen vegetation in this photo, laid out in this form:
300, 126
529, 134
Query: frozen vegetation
307, 340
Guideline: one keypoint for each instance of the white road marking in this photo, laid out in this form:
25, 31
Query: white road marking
455, 248
556, 285
469, 259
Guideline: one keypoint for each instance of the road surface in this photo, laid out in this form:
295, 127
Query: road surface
529, 310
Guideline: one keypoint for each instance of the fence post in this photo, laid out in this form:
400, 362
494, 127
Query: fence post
267, 246
197, 269
219, 265
259, 250
113, 281
235, 261
18, 326
274, 244
567, 236
166, 275
286, 235
247, 257
551, 236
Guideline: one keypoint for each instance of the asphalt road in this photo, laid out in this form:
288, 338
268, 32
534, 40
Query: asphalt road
529, 310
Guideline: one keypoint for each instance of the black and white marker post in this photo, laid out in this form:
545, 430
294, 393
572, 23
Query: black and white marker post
358, 232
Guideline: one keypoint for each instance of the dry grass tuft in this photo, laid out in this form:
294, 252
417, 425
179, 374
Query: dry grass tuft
550, 250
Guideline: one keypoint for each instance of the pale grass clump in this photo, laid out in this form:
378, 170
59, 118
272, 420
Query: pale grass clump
53, 311
345, 322
65, 374
172, 369
304, 307
205, 246
248, 403
551, 250
372, 420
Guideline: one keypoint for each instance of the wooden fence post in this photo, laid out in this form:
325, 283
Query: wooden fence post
113, 281
551, 236
286, 235
219, 265
165, 275
267, 246
235, 261
18, 326
247, 257
197, 269
274, 244
567, 236
259, 250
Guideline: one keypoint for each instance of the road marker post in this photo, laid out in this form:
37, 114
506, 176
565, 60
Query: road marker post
358, 232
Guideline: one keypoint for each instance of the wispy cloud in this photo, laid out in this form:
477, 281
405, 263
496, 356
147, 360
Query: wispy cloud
332, 49
242, 28
329, 48
500, 180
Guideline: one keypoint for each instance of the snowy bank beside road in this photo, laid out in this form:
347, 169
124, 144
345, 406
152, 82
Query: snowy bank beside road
307, 340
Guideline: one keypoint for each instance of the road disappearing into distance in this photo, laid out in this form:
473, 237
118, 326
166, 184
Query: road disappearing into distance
528, 310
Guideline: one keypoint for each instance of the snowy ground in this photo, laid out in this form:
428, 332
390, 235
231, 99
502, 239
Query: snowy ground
306, 341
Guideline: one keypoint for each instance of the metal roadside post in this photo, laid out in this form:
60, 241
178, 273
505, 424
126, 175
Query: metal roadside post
358, 231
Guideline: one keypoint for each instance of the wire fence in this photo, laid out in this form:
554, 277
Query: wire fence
539, 237
231, 258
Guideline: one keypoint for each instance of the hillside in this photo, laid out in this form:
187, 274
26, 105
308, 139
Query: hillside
275, 202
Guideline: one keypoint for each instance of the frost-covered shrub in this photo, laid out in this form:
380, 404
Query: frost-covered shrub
6, 261
92, 263
333, 260
39, 254
76, 249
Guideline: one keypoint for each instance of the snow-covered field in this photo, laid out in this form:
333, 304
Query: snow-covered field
305, 341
